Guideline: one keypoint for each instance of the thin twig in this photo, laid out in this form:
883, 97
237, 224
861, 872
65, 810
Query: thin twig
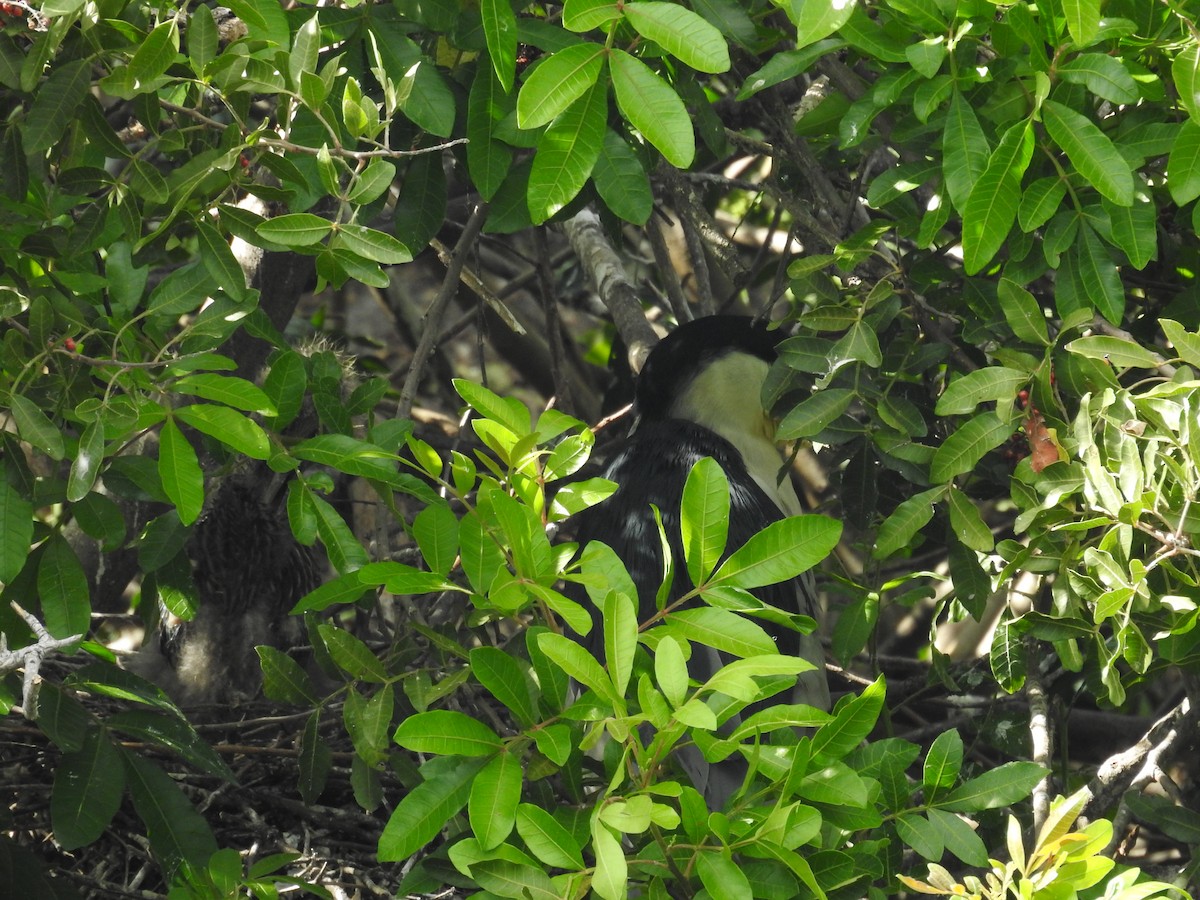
437, 309
30, 658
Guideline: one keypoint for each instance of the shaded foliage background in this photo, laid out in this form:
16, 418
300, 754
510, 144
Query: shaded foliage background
979, 222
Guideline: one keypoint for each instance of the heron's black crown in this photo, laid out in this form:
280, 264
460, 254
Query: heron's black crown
679, 357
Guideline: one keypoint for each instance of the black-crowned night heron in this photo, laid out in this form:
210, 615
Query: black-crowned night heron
698, 395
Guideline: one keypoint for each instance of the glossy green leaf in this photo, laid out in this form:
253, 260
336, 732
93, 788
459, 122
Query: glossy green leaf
492, 805
500, 32
179, 470
1002, 786
704, 518
586, 15
965, 151
813, 414
610, 880
1083, 20
1090, 150
171, 732
920, 835
1119, 352
295, 229
16, 529
557, 82
35, 427
88, 786
721, 876
202, 38
1040, 201
1103, 75
817, 19
1183, 164
488, 159
228, 389
1135, 227
942, 763
653, 108
681, 32
505, 680
315, 760
566, 153
228, 426
377, 246
351, 655
1022, 312
177, 833
959, 837
963, 449
621, 180
1185, 71
85, 467
155, 54
899, 528
991, 383
968, 524
425, 810
577, 663
780, 551
992, 204
722, 630
283, 678
548, 840
447, 732
1186, 344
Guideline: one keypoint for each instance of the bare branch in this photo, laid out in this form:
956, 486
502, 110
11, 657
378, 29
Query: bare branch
30, 658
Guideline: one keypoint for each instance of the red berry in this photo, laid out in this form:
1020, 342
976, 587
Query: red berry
69, 343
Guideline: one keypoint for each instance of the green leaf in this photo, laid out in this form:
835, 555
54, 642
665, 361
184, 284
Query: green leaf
557, 82
177, 833
586, 15
305, 47
704, 518
228, 426
500, 32
425, 810
992, 205
1185, 343
610, 879
1103, 75
315, 761
218, 259
54, 105
853, 719
283, 678
817, 19
1183, 164
351, 655
577, 663
812, 415
899, 528
1002, 786
1185, 71
991, 383
1083, 20
621, 180
926, 56
959, 837
918, 833
35, 427
85, 467
1022, 312
1135, 227
721, 876
447, 732
1119, 352
681, 32
722, 630
295, 229
265, 20
488, 159
492, 805
505, 680
670, 671
230, 390
968, 524
965, 151
171, 732
1040, 202
377, 246
1090, 151
179, 470
780, 551
202, 38
653, 108
942, 763
546, 839
566, 154
963, 449
88, 786
155, 54
16, 529
181, 291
